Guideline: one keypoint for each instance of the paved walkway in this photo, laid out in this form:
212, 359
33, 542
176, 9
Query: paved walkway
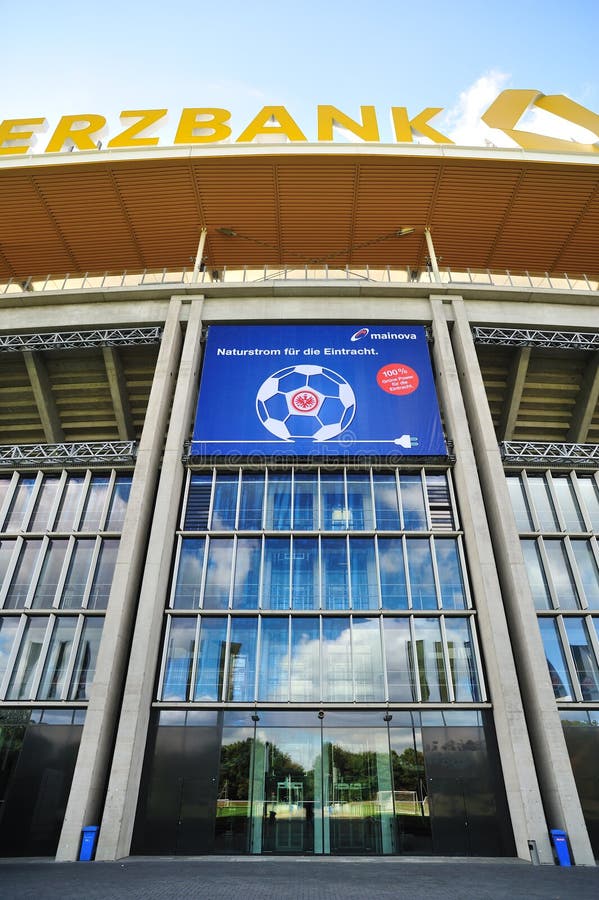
288, 878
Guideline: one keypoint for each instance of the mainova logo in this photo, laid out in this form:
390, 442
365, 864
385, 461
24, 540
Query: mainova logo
359, 334
382, 335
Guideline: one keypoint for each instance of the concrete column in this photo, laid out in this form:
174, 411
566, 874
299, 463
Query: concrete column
558, 788
93, 761
125, 775
522, 790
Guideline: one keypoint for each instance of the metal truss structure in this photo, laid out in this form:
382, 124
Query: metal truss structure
75, 340
532, 337
88, 452
549, 453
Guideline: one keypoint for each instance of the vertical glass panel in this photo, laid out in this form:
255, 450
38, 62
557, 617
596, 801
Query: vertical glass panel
568, 504
305, 502
334, 510
198, 503
8, 630
398, 654
305, 660
431, 665
100, 592
50, 574
273, 681
179, 659
305, 592
410, 790
359, 503
21, 580
556, 663
21, 683
242, 660
364, 582
251, 501
412, 501
79, 566
336, 661
246, 583
210, 672
386, 502
95, 502
276, 576
439, 502
462, 662
519, 503
536, 575
85, 662
392, 572
4, 487
6, 552
420, 569
71, 498
453, 595
43, 504
561, 574
335, 588
584, 658
542, 503
369, 682
590, 498
278, 502
118, 503
587, 568
189, 574
218, 573
19, 504
224, 506
57, 659
233, 818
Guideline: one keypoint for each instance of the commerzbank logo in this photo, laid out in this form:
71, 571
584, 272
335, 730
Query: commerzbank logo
382, 335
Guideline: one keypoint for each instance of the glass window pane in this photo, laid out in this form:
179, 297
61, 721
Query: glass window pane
69, 504
543, 503
386, 502
462, 660
519, 503
242, 660
251, 501
210, 672
100, 592
57, 659
536, 575
420, 569
431, 665
225, 502
369, 683
94, 504
278, 503
400, 674
561, 575
587, 568
336, 661
189, 574
50, 574
43, 504
118, 504
19, 504
79, 566
305, 502
335, 588
392, 571
179, 659
558, 671
584, 658
274, 660
198, 503
451, 582
359, 503
4, 487
590, 497
8, 630
439, 502
21, 579
412, 502
276, 575
21, 683
218, 573
6, 552
568, 503
85, 662
305, 660
334, 509
305, 579
246, 583
364, 583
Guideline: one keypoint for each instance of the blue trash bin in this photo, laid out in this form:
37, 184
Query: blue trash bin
560, 842
88, 843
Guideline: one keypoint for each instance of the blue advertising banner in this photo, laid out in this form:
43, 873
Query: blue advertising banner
317, 390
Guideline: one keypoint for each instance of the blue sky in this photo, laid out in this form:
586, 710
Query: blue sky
76, 57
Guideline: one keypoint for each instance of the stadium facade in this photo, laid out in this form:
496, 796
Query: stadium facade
280, 647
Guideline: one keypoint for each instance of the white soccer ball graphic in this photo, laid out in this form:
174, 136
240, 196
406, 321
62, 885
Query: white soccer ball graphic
305, 402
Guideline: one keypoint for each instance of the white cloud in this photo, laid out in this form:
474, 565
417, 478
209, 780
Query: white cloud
462, 123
